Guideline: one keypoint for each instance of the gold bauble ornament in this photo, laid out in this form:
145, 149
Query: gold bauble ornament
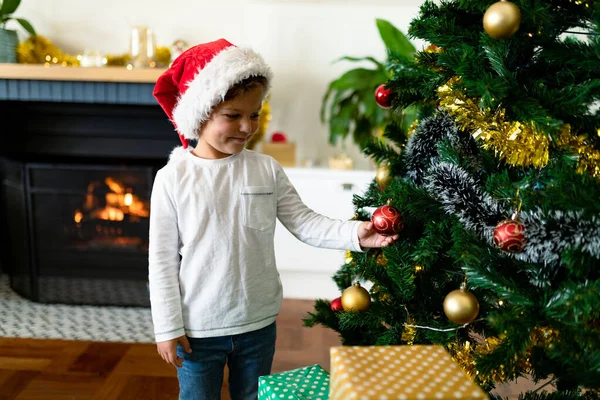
383, 176
356, 298
461, 306
502, 19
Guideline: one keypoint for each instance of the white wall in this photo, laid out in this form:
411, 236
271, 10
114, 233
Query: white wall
299, 38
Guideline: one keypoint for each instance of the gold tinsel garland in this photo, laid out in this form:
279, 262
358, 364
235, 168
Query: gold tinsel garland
518, 143
465, 354
588, 157
40, 50
515, 142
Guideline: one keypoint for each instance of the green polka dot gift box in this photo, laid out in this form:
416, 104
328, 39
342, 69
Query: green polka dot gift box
307, 383
415, 372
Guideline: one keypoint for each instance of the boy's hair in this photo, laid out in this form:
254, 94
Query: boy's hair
246, 85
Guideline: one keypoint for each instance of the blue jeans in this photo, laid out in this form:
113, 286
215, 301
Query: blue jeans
248, 356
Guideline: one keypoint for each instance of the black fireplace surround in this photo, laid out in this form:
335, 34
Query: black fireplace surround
74, 201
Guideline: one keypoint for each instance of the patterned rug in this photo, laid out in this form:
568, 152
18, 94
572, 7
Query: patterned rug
23, 318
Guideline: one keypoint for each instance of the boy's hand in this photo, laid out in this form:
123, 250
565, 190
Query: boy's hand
168, 350
368, 237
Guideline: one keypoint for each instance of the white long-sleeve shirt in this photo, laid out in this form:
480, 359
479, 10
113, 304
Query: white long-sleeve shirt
212, 269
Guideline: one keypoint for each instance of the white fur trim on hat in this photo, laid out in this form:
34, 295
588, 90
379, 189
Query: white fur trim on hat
179, 152
210, 85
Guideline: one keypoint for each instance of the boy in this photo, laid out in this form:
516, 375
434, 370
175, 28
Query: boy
214, 287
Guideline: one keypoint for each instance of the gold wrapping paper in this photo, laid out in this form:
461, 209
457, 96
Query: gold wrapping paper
398, 372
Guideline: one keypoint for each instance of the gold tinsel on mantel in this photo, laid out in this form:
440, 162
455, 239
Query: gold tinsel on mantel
40, 50
518, 143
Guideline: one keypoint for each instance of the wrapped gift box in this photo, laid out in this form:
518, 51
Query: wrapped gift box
307, 383
398, 372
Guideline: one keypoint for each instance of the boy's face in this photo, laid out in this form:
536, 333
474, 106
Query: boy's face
230, 126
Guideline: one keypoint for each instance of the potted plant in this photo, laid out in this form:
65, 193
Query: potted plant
8, 38
349, 104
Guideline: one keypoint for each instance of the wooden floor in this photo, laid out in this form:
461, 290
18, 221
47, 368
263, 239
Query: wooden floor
33, 369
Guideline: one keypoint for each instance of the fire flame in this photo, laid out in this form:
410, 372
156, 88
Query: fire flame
118, 203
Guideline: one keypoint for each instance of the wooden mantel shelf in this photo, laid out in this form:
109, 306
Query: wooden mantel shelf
89, 74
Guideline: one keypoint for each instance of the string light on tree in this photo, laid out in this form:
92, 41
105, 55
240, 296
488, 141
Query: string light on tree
383, 96
461, 306
356, 298
387, 220
502, 19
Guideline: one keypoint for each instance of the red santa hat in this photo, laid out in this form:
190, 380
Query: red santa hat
198, 80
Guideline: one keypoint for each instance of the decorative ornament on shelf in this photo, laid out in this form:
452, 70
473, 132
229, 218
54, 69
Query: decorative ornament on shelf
163, 56
336, 304
142, 47
502, 19
342, 161
387, 220
178, 47
461, 306
263, 123
383, 96
279, 137
383, 176
117, 60
356, 298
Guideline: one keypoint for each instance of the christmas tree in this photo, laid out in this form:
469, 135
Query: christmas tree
496, 192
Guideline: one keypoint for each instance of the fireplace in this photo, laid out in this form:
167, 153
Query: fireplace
75, 198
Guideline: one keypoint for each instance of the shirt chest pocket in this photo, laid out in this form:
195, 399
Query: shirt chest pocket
258, 207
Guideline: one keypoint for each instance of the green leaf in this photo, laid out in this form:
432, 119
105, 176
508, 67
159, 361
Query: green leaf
362, 132
394, 39
356, 59
339, 124
355, 79
26, 25
9, 6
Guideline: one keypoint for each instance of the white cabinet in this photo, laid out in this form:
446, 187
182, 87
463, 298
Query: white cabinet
305, 270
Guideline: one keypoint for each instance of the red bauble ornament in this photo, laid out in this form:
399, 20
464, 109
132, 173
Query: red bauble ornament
278, 137
509, 235
336, 304
383, 96
387, 220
